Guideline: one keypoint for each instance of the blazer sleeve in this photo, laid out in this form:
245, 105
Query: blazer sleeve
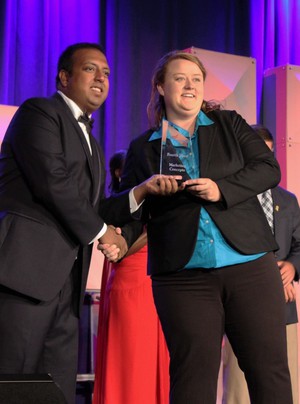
258, 170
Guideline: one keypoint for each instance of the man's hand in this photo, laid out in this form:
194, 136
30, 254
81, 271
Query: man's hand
287, 271
112, 244
157, 185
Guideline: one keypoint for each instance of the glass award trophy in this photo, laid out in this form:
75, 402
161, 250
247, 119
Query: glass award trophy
176, 157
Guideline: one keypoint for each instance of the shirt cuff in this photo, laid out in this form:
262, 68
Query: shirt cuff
100, 234
132, 202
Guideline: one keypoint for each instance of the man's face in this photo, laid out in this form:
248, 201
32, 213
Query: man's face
87, 85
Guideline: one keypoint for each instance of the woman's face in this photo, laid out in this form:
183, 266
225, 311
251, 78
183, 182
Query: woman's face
182, 89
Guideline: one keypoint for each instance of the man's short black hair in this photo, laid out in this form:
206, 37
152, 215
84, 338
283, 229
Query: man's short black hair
65, 61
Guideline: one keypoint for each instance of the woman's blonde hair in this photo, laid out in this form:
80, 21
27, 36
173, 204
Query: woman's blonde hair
156, 108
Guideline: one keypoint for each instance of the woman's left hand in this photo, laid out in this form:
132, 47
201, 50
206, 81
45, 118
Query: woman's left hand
204, 188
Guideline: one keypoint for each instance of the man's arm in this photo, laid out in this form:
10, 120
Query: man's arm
156, 185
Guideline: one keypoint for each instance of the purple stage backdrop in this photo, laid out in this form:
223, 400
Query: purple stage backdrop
135, 35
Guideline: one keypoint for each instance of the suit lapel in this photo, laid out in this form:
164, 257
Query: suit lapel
84, 145
93, 161
206, 136
276, 207
152, 154
96, 161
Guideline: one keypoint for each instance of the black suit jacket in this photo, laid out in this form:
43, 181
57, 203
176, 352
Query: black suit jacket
240, 163
287, 234
50, 193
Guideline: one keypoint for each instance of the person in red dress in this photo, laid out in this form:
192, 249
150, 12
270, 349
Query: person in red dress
132, 360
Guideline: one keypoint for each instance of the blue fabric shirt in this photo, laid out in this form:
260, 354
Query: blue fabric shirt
211, 251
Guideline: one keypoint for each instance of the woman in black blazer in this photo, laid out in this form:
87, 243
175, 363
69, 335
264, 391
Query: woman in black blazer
210, 247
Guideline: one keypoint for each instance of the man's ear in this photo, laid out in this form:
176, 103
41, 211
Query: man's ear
160, 89
64, 78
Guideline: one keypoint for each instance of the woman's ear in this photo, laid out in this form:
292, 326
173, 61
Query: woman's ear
160, 89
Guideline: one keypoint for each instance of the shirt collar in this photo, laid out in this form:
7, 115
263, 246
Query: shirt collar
76, 111
202, 120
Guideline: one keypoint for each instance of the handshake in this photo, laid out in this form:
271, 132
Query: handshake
112, 244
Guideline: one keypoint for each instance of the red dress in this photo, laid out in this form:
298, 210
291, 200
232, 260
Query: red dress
132, 365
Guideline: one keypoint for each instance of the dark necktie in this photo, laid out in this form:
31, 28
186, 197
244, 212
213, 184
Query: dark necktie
88, 122
267, 205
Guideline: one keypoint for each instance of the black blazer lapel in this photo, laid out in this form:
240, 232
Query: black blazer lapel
206, 136
94, 158
152, 155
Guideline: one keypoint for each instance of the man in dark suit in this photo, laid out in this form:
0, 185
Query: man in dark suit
286, 228
51, 186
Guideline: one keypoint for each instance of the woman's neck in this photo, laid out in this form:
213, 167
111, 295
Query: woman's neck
187, 123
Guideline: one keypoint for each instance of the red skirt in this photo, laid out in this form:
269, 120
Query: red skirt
132, 365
